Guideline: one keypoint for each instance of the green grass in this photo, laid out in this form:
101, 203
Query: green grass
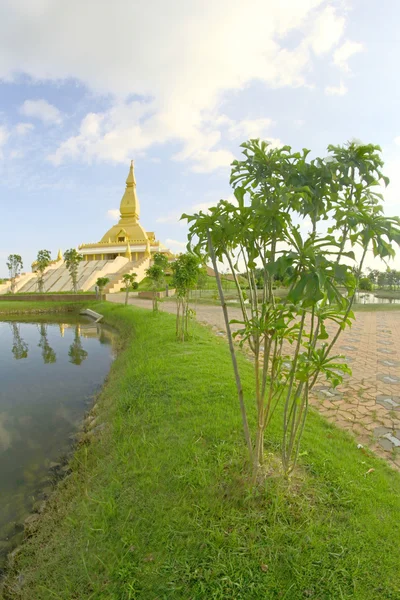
375, 307
146, 285
158, 506
387, 294
15, 307
80, 292
210, 284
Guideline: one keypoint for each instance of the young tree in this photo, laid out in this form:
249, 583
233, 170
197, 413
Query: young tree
72, 259
42, 262
185, 271
156, 273
202, 279
101, 283
275, 189
130, 284
365, 284
14, 266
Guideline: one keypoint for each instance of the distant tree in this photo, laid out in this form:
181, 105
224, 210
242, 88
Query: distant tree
365, 284
72, 259
130, 284
42, 262
185, 271
202, 278
101, 283
382, 279
14, 266
373, 275
391, 278
161, 260
156, 274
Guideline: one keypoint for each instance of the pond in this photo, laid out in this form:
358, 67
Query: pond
370, 298
50, 371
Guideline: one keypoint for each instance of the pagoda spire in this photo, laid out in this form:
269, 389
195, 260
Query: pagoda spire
129, 207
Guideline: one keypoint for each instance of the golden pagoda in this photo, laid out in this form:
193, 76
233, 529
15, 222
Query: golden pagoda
127, 238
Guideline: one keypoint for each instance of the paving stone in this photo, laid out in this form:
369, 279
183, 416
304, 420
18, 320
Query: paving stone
381, 431
389, 363
390, 402
390, 379
393, 440
386, 444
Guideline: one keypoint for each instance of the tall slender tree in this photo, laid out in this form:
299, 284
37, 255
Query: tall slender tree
130, 284
275, 190
156, 274
185, 270
42, 262
72, 259
14, 266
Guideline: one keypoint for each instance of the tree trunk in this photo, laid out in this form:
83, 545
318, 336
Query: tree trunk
231, 348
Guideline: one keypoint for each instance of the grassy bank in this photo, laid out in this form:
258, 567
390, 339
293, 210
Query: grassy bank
158, 506
375, 307
21, 308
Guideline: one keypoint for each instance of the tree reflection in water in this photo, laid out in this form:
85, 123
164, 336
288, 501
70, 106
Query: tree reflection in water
48, 354
19, 347
76, 353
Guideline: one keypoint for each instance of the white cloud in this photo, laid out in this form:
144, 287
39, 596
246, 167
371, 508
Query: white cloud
23, 128
327, 30
203, 206
246, 128
171, 218
176, 244
332, 90
4, 135
175, 217
113, 214
344, 52
181, 61
397, 140
42, 110
391, 193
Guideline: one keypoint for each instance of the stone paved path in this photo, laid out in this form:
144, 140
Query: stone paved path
366, 403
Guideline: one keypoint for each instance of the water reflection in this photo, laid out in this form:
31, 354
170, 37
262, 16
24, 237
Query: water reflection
43, 399
76, 352
19, 347
370, 298
48, 354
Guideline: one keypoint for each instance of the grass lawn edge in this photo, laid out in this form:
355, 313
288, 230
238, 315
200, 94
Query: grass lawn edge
158, 505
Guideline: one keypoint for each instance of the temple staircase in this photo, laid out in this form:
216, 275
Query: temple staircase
116, 282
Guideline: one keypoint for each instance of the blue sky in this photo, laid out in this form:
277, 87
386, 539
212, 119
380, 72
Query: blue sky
177, 86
